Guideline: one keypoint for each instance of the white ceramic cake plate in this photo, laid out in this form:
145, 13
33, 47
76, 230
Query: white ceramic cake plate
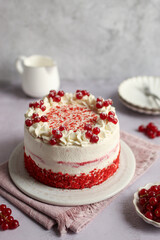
132, 94
64, 197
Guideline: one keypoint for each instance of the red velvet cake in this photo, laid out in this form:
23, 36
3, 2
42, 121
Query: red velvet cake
71, 140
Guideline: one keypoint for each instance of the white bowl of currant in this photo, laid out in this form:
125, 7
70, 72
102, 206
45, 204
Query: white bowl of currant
147, 203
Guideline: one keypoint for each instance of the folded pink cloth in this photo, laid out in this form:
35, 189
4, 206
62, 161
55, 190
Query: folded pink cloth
73, 218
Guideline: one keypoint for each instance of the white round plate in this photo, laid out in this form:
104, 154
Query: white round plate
131, 92
71, 197
140, 110
135, 202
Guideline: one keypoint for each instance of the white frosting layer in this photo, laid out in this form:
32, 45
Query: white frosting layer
48, 156
76, 168
44, 131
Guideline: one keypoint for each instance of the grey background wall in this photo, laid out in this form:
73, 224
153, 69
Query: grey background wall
91, 40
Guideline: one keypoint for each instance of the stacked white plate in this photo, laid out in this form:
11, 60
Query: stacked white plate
132, 94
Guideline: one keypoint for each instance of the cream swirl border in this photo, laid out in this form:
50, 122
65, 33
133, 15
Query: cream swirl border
43, 131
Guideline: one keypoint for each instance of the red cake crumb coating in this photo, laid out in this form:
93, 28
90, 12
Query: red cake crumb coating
67, 181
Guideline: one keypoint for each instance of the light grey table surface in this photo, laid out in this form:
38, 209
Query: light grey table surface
119, 220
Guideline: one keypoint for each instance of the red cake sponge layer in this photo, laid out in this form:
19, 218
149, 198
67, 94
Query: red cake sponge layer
67, 181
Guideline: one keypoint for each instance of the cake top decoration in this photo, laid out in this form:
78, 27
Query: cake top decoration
71, 118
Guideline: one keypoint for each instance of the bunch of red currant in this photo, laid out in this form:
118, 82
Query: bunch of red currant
149, 201
6, 220
151, 130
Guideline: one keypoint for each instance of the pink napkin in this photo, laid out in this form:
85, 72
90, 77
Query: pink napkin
73, 218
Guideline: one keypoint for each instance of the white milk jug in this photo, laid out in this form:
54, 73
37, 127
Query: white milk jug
39, 75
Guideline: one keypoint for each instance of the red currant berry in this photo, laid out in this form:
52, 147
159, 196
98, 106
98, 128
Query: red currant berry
44, 118
51, 95
142, 192
79, 95
15, 224
31, 105
37, 119
103, 116
62, 128
141, 128
106, 103
157, 212
58, 134
154, 188
43, 108
150, 124
54, 130
88, 127
94, 139
142, 201
61, 93
158, 133
2, 207
149, 207
111, 113
151, 194
77, 91
89, 134
53, 92
53, 141
99, 99
37, 105
147, 131
57, 98
2, 220
28, 122
34, 104
151, 134
35, 115
99, 105
149, 215
143, 210
153, 201
112, 119
96, 130
10, 219
152, 127
8, 212
41, 102
84, 92
4, 226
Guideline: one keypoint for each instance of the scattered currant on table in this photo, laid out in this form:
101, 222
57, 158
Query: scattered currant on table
150, 130
6, 220
149, 202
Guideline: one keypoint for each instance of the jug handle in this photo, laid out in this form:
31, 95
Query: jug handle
19, 64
